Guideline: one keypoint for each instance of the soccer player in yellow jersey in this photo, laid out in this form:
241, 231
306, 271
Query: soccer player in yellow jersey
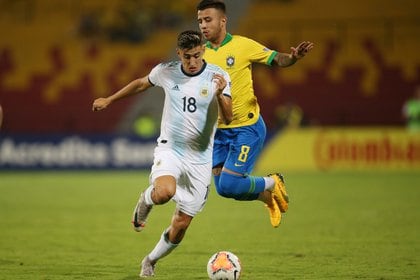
238, 144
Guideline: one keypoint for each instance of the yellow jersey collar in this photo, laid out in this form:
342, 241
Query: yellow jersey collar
227, 39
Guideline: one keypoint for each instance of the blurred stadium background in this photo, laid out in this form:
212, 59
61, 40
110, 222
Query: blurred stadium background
57, 56
335, 122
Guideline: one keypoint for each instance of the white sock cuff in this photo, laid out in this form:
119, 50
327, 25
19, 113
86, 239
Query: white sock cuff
166, 239
269, 183
163, 248
148, 195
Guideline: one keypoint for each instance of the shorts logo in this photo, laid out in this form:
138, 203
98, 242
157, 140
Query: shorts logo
238, 165
230, 61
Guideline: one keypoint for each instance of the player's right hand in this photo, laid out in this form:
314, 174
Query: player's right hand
100, 104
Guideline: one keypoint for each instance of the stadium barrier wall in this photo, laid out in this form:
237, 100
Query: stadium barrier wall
75, 152
341, 149
305, 149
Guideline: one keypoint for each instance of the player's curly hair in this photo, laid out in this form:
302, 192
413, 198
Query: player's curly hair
217, 4
189, 39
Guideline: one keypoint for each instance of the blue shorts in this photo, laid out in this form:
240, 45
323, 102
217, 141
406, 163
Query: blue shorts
238, 148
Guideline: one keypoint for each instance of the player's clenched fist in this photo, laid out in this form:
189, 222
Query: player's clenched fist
100, 104
220, 83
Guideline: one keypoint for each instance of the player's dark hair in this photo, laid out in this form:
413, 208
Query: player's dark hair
190, 39
217, 4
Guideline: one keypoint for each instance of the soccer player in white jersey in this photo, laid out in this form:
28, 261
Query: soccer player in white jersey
196, 95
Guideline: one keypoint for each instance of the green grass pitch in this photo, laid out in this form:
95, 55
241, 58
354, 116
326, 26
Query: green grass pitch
76, 225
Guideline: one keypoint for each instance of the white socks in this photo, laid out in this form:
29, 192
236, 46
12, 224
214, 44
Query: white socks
148, 195
269, 183
162, 248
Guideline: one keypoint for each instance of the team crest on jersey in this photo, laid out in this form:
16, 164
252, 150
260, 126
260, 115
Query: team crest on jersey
230, 60
204, 92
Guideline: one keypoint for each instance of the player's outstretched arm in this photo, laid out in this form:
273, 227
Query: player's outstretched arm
288, 59
134, 87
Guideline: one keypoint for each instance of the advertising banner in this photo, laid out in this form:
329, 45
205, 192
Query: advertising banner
370, 148
75, 152
306, 149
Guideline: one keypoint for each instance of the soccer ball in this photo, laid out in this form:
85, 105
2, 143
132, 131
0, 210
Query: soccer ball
224, 265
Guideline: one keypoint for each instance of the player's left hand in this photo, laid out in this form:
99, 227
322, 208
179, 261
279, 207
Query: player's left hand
302, 49
220, 82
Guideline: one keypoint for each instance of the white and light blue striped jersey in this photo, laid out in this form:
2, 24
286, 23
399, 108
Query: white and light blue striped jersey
190, 110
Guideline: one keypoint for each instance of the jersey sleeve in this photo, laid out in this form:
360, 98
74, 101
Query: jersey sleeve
154, 75
260, 53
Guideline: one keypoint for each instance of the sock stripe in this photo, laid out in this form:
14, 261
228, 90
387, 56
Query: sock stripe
252, 186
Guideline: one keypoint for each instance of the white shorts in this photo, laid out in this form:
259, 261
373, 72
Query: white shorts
193, 180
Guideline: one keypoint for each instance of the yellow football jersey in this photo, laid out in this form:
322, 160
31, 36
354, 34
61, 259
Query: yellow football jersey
236, 55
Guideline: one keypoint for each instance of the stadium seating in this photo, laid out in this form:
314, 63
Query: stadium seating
48, 67
356, 68
57, 56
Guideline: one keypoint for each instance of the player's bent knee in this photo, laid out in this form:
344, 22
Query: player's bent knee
161, 195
